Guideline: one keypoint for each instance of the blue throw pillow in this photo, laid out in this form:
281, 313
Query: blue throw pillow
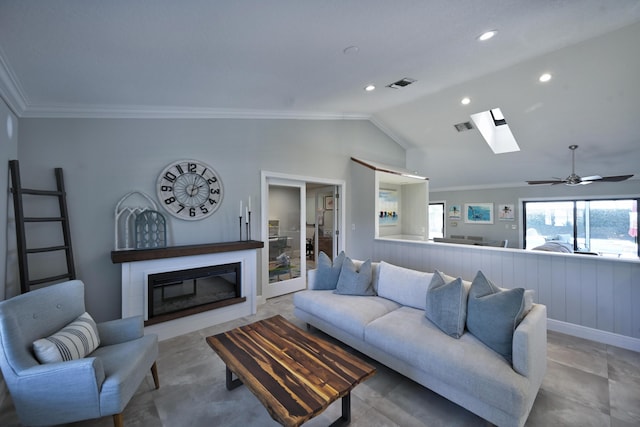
447, 304
328, 272
493, 314
353, 281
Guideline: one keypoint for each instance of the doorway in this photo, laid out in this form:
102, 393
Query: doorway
301, 216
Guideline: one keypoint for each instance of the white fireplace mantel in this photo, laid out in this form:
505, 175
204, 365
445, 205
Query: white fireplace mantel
137, 265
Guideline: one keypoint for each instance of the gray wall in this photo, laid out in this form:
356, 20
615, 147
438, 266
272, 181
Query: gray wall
103, 159
8, 151
501, 230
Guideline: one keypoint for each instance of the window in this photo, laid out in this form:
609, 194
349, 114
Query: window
604, 227
436, 220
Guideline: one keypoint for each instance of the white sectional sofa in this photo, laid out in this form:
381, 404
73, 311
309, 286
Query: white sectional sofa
390, 326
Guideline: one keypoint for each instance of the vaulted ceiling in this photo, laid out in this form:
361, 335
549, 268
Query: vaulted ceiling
313, 59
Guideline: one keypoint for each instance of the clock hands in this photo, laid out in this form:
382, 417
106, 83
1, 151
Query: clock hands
193, 188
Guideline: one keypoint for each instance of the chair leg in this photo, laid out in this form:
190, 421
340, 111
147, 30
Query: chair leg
118, 420
154, 373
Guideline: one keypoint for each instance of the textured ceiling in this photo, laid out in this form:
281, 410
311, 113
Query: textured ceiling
280, 59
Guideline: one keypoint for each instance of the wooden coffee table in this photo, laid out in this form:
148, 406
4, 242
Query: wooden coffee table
294, 374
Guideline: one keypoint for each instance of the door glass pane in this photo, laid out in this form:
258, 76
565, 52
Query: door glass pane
436, 220
284, 233
613, 229
582, 226
326, 223
548, 222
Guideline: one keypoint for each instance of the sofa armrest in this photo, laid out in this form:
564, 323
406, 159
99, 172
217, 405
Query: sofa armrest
530, 345
311, 278
120, 330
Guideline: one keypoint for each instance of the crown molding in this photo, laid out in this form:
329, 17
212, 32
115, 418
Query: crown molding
152, 112
391, 134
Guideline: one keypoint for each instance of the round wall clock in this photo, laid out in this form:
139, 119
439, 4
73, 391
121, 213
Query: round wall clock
189, 189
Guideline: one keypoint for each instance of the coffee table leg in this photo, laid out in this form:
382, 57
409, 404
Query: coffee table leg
345, 419
231, 383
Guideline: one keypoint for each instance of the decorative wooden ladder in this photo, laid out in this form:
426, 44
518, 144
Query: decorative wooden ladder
23, 252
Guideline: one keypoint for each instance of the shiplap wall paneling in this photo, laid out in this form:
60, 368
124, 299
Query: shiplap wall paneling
596, 293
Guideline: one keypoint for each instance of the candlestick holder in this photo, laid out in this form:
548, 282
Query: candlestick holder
240, 223
247, 230
249, 227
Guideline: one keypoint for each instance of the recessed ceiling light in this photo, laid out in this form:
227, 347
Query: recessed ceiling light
487, 35
465, 101
544, 77
369, 88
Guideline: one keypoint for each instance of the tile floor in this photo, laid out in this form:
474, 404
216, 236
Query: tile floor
587, 384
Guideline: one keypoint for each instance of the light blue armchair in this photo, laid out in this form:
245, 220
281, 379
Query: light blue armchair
100, 384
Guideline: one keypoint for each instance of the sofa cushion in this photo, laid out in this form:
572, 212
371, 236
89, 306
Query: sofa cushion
74, 341
375, 273
493, 314
465, 363
353, 280
403, 285
328, 272
447, 304
348, 312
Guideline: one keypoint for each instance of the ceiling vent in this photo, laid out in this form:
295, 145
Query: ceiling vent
464, 126
401, 83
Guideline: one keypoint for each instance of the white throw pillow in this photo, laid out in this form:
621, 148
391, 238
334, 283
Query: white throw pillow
74, 341
403, 285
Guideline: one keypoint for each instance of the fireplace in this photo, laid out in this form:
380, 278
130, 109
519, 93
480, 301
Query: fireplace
175, 294
137, 265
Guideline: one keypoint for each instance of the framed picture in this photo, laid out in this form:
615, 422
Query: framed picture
454, 212
478, 213
506, 212
388, 205
328, 203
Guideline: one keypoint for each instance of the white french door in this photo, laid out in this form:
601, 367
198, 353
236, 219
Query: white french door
285, 209
284, 229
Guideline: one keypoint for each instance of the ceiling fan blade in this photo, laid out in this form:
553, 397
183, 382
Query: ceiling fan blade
574, 179
553, 182
615, 178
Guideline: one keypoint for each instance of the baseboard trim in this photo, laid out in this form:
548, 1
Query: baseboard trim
604, 337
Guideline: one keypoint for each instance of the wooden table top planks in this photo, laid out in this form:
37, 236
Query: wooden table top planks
294, 374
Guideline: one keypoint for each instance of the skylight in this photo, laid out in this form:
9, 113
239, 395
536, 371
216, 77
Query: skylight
494, 129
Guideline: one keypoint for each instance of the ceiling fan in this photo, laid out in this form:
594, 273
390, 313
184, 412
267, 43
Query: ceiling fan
574, 179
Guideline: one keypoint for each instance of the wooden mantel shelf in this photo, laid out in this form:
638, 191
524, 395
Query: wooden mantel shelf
134, 255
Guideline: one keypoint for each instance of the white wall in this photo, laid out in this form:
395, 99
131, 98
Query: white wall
103, 159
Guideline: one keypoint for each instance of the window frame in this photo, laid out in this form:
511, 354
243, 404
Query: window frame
444, 217
574, 200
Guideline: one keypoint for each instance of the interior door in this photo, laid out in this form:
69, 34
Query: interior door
328, 221
286, 248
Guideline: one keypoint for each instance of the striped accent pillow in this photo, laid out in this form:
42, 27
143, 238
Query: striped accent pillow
74, 341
